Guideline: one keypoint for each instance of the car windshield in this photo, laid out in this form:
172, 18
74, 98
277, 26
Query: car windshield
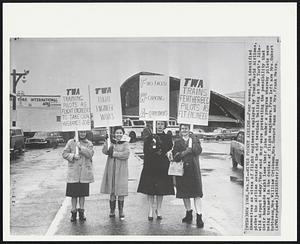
40, 134
138, 122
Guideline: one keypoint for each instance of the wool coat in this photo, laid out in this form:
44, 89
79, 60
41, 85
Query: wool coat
154, 179
79, 170
190, 184
115, 177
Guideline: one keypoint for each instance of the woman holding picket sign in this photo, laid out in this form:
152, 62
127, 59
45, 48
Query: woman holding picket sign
187, 149
80, 172
154, 180
115, 178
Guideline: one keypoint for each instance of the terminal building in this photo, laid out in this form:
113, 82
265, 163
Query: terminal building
42, 112
224, 111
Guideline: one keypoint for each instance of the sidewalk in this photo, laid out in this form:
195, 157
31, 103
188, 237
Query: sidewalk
135, 208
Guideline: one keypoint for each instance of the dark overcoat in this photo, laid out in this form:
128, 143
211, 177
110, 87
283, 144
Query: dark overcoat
154, 178
190, 184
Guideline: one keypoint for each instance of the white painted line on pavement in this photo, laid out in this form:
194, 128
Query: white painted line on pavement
58, 217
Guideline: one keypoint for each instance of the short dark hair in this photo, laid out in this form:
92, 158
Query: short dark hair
119, 128
184, 125
165, 123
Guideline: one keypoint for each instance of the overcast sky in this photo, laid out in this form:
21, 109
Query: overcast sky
58, 63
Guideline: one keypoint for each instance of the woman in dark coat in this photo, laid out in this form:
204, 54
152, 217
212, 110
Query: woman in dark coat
154, 180
187, 149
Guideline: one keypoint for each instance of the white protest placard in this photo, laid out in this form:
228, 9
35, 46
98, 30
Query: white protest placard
193, 105
154, 97
75, 111
106, 105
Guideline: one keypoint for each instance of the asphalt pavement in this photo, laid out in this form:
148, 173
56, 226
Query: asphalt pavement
39, 205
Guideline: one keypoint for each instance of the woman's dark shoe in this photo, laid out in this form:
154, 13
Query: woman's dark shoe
120, 207
188, 217
73, 215
81, 214
200, 223
159, 217
150, 218
112, 205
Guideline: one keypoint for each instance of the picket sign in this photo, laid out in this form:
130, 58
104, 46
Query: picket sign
75, 112
106, 106
194, 101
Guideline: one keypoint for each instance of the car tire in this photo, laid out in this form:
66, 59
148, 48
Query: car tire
234, 163
217, 138
132, 136
242, 161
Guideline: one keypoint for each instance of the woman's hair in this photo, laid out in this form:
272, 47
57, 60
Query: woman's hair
119, 128
79, 138
184, 125
165, 123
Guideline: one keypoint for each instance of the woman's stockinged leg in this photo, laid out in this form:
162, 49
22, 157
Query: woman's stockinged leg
159, 200
198, 205
187, 204
74, 203
150, 205
112, 197
81, 202
198, 208
121, 198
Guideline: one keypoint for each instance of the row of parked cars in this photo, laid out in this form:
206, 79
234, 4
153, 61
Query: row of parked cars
53, 139
18, 141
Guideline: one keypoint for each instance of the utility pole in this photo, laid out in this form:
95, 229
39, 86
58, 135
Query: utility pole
16, 78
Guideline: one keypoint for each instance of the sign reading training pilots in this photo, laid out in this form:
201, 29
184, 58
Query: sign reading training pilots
75, 112
154, 97
106, 105
193, 106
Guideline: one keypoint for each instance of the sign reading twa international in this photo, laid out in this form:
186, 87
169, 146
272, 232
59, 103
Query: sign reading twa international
75, 112
154, 97
193, 106
106, 105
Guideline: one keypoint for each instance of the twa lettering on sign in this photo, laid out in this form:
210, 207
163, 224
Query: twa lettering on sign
154, 97
106, 105
194, 97
75, 112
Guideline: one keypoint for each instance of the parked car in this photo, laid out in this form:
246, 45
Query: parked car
99, 135
133, 127
44, 139
16, 140
198, 133
220, 134
172, 127
237, 149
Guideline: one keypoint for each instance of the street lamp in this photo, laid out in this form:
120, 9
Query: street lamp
16, 78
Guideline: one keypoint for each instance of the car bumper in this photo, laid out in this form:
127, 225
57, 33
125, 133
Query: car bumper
209, 137
35, 143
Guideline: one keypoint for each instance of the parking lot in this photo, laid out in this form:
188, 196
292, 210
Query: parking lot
39, 205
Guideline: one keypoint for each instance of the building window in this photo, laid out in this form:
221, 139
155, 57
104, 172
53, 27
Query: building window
57, 118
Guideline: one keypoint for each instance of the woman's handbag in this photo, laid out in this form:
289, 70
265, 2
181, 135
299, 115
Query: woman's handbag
176, 168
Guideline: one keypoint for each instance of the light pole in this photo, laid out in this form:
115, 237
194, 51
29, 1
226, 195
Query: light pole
16, 78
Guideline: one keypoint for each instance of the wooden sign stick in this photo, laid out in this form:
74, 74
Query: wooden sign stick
76, 139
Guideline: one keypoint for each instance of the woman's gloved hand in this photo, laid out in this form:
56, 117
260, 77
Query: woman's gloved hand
110, 151
177, 157
158, 151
